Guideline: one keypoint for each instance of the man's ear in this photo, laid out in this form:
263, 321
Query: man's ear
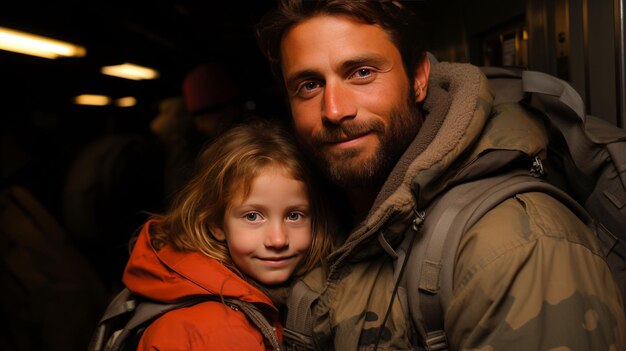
218, 234
420, 82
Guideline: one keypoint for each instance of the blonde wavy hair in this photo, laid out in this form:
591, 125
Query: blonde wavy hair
226, 167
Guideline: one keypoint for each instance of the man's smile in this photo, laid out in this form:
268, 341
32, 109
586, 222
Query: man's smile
349, 141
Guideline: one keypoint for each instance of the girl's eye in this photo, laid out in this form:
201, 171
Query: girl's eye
252, 216
294, 216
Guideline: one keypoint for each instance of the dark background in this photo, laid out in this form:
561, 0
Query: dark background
171, 36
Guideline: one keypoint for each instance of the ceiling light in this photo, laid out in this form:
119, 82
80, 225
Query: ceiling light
128, 101
31, 44
130, 71
92, 100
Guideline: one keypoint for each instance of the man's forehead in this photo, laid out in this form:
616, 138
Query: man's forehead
332, 41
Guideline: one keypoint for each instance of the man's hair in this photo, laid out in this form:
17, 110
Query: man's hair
226, 169
399, 22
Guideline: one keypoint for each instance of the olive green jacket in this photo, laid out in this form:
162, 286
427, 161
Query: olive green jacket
528, 276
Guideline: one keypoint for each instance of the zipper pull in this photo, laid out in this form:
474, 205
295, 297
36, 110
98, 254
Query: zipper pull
536, 170
418, 222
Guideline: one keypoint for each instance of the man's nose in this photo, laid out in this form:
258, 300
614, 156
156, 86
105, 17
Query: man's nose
338, 102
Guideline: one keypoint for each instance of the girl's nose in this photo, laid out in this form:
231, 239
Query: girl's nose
277, 237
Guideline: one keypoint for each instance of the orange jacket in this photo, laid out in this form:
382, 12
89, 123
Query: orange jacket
168, 275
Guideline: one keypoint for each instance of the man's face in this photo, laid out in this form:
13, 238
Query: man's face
350, 97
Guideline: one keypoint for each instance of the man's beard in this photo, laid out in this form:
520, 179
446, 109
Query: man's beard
343, 168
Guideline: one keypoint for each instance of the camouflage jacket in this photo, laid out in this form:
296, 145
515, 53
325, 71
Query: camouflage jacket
528, 276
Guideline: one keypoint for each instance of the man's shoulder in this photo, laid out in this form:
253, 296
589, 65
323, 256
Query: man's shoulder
526, 222
527, 262
529, 217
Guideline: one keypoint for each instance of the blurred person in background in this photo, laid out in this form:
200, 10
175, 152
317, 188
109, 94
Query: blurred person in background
212, 102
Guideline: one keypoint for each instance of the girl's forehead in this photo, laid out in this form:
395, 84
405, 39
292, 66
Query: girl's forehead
242, 187
278, 168
269, 186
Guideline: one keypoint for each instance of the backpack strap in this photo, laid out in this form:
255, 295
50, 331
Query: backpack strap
296, 334
145, 311
257, 319
446, 221
122, 303
545, 84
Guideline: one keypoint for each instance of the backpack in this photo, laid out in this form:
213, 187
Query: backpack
585, 170
128, 315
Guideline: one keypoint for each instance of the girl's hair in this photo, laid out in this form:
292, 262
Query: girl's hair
226, 167
398, 21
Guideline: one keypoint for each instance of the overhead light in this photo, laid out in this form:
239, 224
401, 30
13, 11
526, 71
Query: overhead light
92, 100
128, 101
31, 44
130, 71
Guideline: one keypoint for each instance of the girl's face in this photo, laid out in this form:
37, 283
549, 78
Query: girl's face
269, 232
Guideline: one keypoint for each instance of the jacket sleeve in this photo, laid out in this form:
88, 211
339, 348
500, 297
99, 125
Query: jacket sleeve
206, 326
530, 276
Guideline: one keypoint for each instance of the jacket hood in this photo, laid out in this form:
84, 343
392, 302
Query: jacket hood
455, 111
461, 126
168, 275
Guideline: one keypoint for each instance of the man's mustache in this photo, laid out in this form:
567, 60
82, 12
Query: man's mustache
334, 133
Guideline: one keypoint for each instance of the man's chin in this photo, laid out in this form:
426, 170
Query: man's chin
347, 168
350, 173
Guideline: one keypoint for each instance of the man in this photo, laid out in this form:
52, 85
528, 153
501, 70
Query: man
213, 102
393, 131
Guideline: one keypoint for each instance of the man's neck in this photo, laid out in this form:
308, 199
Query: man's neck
361, 201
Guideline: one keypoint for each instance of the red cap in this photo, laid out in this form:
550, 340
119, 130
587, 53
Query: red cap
208, 85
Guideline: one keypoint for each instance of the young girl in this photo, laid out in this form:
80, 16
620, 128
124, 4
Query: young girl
247, 222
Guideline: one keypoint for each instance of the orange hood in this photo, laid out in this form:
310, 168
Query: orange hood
168, 275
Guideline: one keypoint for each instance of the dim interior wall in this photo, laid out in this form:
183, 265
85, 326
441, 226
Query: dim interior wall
620, 60
444, 30
575, 40
499, 22
578, 69
571, 39
457, 28
540, 46
601, 50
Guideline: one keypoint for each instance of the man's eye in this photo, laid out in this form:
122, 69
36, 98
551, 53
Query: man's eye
308, 89
310, 85
363, 73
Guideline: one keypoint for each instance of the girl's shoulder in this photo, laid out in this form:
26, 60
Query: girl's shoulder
210, 324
